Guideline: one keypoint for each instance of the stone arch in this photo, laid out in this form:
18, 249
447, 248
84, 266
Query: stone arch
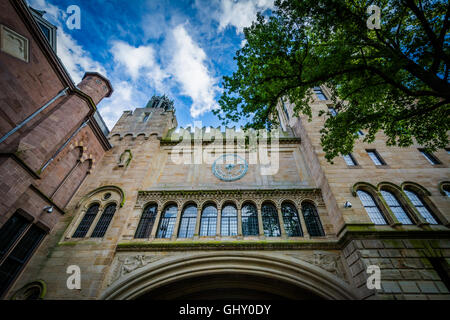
248, 201
103, 190
283, 269
365, 186
416, 187
442, 185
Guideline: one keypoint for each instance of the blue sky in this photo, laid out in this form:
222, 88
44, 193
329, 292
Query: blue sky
146, 47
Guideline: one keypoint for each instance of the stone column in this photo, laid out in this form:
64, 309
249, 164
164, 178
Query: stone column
177, 224
303, 225
156, 224
260, 223
94, 223
197, 224
219, 217
239, 223
281, 222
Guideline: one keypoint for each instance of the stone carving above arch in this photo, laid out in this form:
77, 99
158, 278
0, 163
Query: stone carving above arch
134, 274
328, 261
99, 193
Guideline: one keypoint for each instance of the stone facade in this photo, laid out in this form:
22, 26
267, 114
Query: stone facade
49, 139
304, 243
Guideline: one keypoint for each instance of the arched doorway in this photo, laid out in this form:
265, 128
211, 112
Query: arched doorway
229, 275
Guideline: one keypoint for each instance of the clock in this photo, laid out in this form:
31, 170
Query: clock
230, 167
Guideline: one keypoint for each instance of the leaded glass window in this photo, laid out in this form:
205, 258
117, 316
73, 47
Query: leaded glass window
208, 222
228, 226
396, 207
104, 221
86, 222
349, 160
312, 220
291, 221
147, 221
249, 220
167, 223
188, 220
19, 256
11, 231
371, 207
270, 221
376, 158
420, 206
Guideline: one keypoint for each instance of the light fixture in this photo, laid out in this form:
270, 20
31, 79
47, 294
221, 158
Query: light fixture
49, 209
347, 204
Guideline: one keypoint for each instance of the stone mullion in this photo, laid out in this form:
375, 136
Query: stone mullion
281, 223
156, 224
239, 222
390, 215
260, 222
197, 224
177, 224
303, 224
412, 210
219, 217
94, 223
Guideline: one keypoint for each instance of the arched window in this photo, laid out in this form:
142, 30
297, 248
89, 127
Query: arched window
85, 224
208, 222
167, 223
371, 207
396, 207
270, 221
291, 220
249, 220
312, 220
421, 207
147, 221
104, 221
228, 221
188, 220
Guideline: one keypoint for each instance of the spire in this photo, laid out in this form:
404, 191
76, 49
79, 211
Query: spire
161, 102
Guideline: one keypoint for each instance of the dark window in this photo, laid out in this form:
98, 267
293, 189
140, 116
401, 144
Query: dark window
376, 158
188, 220
319, 93
333, 111
396, 208
360, 133
312, 220
228, 226
146, 117
421, 207
85, 224
371, 207
430, 157
19, 256
147, 221
446, 189
11, 231
250, 220
104, 221
291, 220
167, 223
46, 31
270, 221
208, 222
349, 160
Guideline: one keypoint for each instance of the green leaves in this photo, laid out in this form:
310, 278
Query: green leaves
394, 79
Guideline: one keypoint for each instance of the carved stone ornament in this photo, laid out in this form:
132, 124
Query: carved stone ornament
125, 158
230, 167
124, 265
328, 261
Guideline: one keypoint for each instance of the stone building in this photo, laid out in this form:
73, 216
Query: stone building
201, 213
50, 135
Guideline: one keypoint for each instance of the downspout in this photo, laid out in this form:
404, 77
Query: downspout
24, 122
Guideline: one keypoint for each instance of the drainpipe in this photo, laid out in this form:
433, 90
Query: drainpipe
24, 122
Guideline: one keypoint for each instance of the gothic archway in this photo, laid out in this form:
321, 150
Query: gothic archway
223, 275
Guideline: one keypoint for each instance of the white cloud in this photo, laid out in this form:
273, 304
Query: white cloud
240, 14
190, 71
76, 60
112, 109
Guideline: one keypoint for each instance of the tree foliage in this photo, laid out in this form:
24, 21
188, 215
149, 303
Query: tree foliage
393, 79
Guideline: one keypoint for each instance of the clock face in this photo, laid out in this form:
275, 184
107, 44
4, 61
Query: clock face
229, 167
